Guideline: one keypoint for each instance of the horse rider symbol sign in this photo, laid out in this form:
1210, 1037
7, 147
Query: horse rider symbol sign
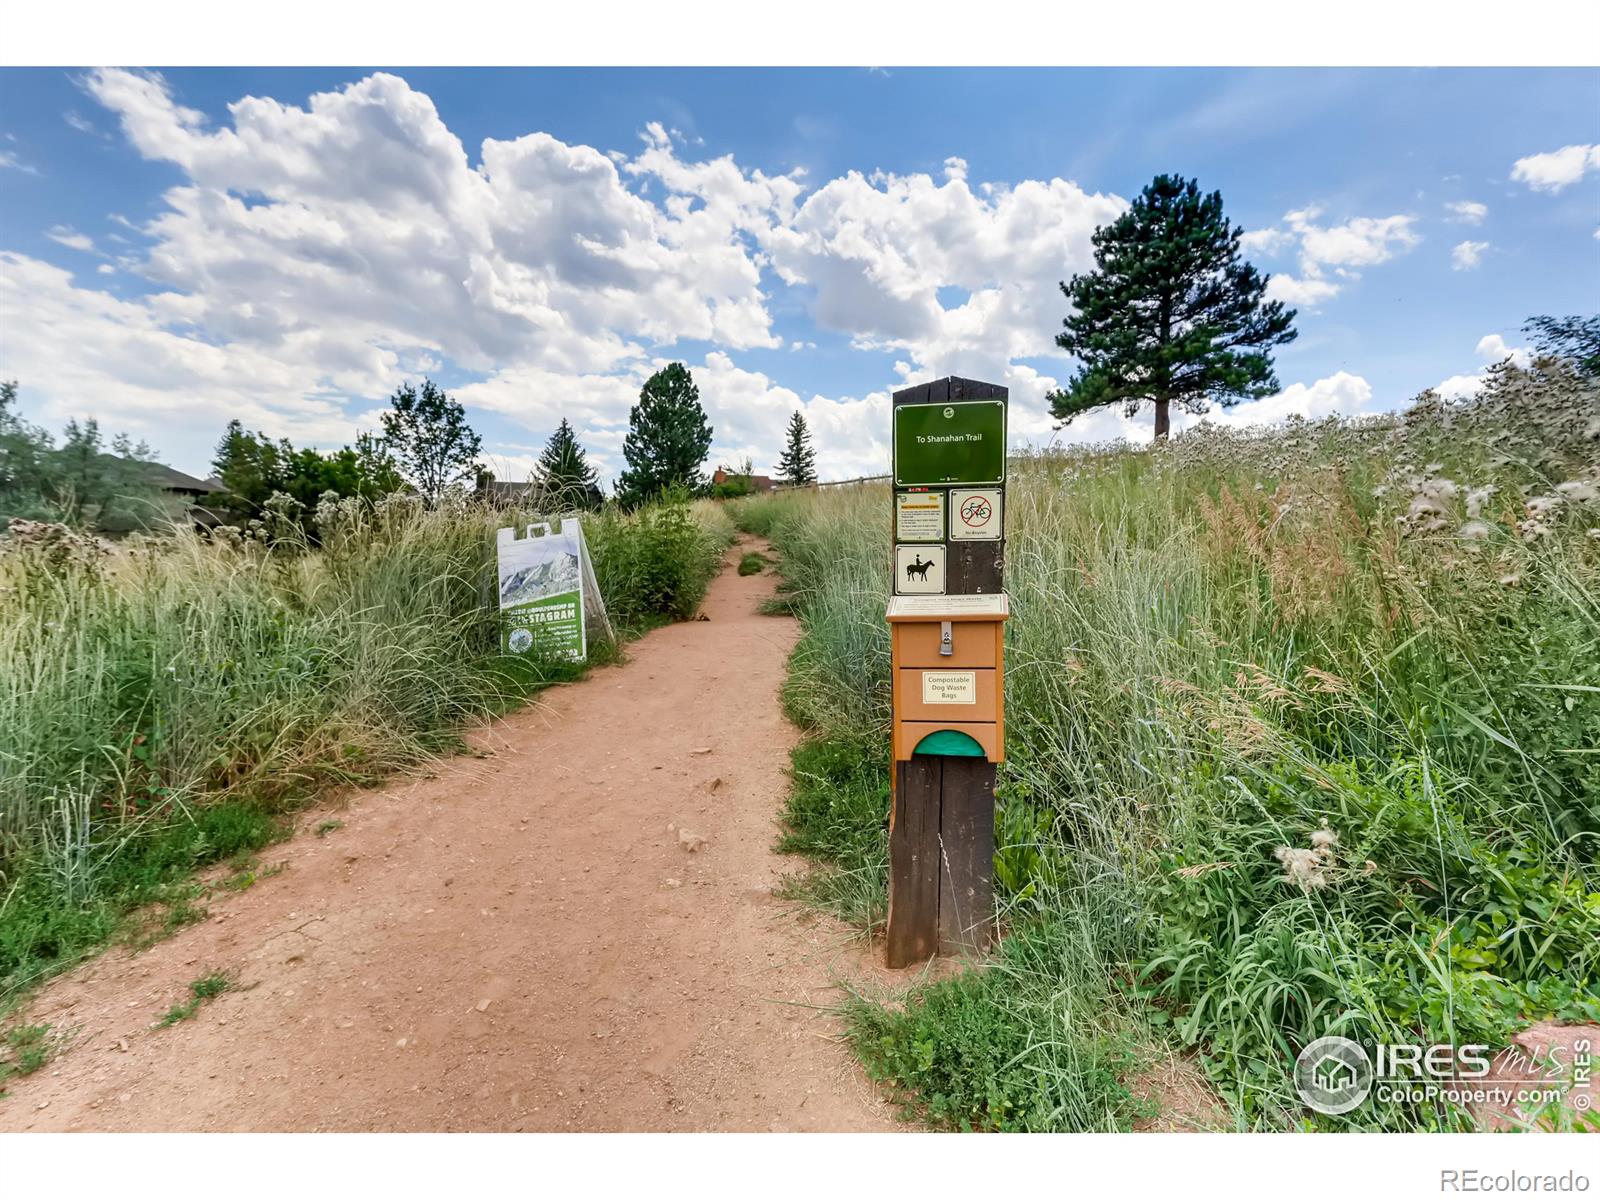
919, 570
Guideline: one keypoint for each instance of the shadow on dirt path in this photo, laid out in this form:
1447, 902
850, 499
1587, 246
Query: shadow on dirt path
518, 941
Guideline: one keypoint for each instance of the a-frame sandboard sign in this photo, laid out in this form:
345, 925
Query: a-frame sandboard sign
548, 596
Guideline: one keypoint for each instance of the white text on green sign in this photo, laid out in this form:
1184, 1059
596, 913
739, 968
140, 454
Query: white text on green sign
963, 442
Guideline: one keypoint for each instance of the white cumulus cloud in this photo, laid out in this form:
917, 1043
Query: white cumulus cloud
1328, 249
1467, 212
1307, 292
1464, 256
1552, 171
1341, 394
314, 255
1359, 242
1492, 348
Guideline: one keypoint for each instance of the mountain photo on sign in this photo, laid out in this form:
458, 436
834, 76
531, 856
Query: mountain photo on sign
535, 567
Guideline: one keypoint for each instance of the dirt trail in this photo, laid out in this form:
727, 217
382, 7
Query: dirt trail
516, 942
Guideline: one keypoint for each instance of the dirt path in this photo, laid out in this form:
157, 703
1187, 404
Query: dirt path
514, 943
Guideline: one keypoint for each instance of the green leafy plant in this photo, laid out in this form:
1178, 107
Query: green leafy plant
24, 1049
202, 990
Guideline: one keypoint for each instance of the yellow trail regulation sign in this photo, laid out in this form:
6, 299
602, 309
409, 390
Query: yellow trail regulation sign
919, 516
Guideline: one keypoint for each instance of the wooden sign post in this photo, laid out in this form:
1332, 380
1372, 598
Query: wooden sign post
946, 623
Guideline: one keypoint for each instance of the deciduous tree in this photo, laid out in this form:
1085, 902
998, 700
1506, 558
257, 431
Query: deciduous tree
428, 434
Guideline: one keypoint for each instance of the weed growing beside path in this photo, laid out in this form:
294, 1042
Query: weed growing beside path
166, 706
1301, 730
208, 987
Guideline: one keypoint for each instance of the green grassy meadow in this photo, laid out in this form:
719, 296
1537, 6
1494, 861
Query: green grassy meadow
1302, 736
167, 703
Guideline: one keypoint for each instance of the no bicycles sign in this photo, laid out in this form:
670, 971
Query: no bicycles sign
975, 514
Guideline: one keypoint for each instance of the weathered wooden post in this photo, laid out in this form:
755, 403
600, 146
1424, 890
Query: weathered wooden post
946, 623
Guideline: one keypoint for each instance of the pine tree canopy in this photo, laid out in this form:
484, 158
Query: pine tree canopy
668, 438
799, 462
565, 478
1171, 313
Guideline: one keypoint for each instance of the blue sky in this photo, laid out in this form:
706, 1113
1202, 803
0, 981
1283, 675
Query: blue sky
286, 246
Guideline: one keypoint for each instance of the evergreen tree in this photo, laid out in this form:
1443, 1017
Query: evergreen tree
668, 437
565, 478
428, 434
799, 462
1171, 313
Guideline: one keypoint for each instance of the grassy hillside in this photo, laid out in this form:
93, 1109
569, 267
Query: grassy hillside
1301, 727
164, 703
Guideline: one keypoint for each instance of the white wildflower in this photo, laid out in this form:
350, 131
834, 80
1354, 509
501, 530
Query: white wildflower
1475, 531
1301, 867
1423, 506
1323, 840
1538, 506
1579, 491
1477, 498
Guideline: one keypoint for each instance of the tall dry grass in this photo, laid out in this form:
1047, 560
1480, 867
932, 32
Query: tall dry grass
161, 703
1301, 727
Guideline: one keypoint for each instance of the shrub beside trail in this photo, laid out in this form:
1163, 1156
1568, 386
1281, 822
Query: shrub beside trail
1301, 729
164, 702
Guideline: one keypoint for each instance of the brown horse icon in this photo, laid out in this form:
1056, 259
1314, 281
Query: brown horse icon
918, 569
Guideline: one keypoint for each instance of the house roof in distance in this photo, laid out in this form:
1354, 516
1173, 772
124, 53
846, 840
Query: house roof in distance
170, 479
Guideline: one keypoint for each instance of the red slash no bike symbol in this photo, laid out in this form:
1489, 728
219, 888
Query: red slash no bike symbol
976, 511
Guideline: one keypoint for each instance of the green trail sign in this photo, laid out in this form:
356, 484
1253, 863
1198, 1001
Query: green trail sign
963, 442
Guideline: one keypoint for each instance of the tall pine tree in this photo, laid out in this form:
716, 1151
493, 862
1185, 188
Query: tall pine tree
566, 480
668, 437
1170, 313
798, 465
